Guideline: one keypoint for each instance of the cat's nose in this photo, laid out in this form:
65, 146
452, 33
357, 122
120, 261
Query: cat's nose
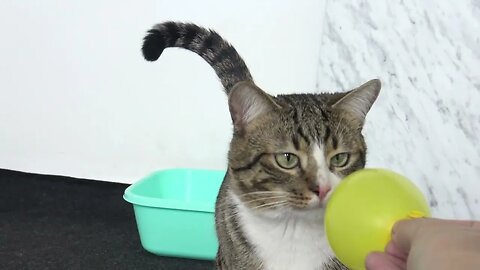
321, 191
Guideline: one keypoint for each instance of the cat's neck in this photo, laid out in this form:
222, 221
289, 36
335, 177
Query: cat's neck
285, 240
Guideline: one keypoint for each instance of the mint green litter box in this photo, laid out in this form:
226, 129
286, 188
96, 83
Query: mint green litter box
174, 210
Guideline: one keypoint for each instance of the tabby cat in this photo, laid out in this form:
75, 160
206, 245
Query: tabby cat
286, 155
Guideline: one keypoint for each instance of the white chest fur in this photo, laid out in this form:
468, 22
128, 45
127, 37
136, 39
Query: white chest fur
293, 241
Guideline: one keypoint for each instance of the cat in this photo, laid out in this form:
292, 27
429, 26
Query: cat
287, 154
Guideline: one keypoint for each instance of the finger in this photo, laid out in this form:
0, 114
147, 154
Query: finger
405, 231
382, 261
394, 251
448, 222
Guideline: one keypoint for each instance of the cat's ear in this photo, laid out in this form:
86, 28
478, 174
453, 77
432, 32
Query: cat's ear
358, 101
247, 102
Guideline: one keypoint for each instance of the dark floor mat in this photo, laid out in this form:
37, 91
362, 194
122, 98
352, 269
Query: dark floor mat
54, 222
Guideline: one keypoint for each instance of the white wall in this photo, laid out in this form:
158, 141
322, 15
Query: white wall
77, 98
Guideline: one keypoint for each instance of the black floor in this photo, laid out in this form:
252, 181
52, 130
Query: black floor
52, 222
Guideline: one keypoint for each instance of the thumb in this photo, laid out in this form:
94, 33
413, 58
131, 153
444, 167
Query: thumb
405, 231
382, 261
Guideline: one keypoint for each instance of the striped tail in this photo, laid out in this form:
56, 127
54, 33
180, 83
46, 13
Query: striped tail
224, 59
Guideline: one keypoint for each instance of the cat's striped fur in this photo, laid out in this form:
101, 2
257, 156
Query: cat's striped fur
269, 213
222, 56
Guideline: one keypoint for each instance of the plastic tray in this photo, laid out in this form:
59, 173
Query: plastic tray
174, 211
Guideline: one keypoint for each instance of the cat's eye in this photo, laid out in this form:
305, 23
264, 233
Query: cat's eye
286, 160
340, 160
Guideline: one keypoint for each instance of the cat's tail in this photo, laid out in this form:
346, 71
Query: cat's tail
224, 59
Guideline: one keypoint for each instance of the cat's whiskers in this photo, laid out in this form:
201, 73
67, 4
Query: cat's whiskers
262, 192
266, 198
343, 129
264, 206
286, 227
226, 218
270, 205
338, 124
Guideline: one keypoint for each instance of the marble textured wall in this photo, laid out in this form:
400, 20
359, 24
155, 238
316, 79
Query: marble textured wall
426, 122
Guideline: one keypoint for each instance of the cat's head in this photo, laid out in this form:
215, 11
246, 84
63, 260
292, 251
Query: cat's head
290, 151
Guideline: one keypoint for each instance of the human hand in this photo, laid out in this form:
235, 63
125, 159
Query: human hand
426, 243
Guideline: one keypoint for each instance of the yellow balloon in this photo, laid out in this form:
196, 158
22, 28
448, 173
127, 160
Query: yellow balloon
363, 209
